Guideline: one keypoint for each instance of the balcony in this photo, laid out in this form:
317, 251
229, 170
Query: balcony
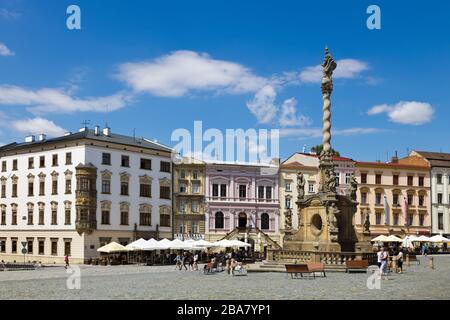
242, 200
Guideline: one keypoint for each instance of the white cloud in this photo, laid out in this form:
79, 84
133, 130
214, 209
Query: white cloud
180, 72
37, 126
288, 117
346, 69
5, 51
405, 112
317, 132
7, 14
263, 104
57, 100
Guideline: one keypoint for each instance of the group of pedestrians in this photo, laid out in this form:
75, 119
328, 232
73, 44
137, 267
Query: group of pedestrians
383, 259
187, 260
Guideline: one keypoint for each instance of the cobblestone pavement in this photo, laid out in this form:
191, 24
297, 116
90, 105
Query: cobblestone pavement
164, 282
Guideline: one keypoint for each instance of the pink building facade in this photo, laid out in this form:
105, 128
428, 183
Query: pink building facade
242, 201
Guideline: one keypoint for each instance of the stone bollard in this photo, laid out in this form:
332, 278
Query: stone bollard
408, 263
431, 263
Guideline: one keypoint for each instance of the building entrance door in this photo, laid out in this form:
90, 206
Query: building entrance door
242, 223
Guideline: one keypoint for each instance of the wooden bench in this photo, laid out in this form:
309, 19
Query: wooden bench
295, 269
357, 265
317, 267
17, 266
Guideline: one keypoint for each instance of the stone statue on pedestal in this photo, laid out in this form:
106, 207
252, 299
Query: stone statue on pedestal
353, 187
300, 185
331, 181
366, 222
288, 219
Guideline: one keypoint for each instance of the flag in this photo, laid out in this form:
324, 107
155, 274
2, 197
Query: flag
386, 211
405, 209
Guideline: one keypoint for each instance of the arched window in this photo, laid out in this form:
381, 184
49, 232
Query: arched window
265, 222
219, 220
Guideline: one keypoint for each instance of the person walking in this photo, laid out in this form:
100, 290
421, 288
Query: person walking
384, 263
399, 259
178, 260
184, 260
66, 260
379, 253
196, 261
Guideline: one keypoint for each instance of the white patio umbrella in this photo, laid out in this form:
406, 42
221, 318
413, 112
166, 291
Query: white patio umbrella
151, 244
408, 241
423, 239
238, 243
393, 238
136, 245
113, 247
439, 239
203, 243
380, 238
180, 245
223, 244
164, 244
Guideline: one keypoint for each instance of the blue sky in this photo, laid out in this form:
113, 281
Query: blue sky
156, 66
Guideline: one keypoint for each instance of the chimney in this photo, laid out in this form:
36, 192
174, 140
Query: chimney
29, 138
42, 137
107, 131
394, 159
97, 130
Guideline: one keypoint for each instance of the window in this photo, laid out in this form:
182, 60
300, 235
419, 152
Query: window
396, 215
363, 177
146, 190
68, 158
182, 174
124, 218
195, 174
378, 179
30, 246
410, 199
377, 198
3, 190
54, 160
164, 192
41, 246
261, 192
42, 188
164, 216
106, 185
41, 215
182, 187
287, 187
13, 245
410, 219
219, 220
338, 178
421, 219
31, 163
106, 158
124, 188
84, 184
378, 218
439, 198
182, 205
195, 206
54, 216
67, 247
3, 245
395, 199
363, 197
146, 164
54, 187
311, 187
68, 186
125, 161
287, 203
441, 221
195, 187
223, 190
42, 162
395, 179
421, 199
67, 216
105, 216
14, 215
3, 216
265, 222
215, 190
439, 178
30, 215
410, 180
194, 227
269, 193
145, 216
14, 190
3, 166
54, 246
421, 181
30, 188
164, 166
14, 165
348, 176
242, 191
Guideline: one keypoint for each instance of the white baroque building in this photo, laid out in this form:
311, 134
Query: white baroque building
75, 193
